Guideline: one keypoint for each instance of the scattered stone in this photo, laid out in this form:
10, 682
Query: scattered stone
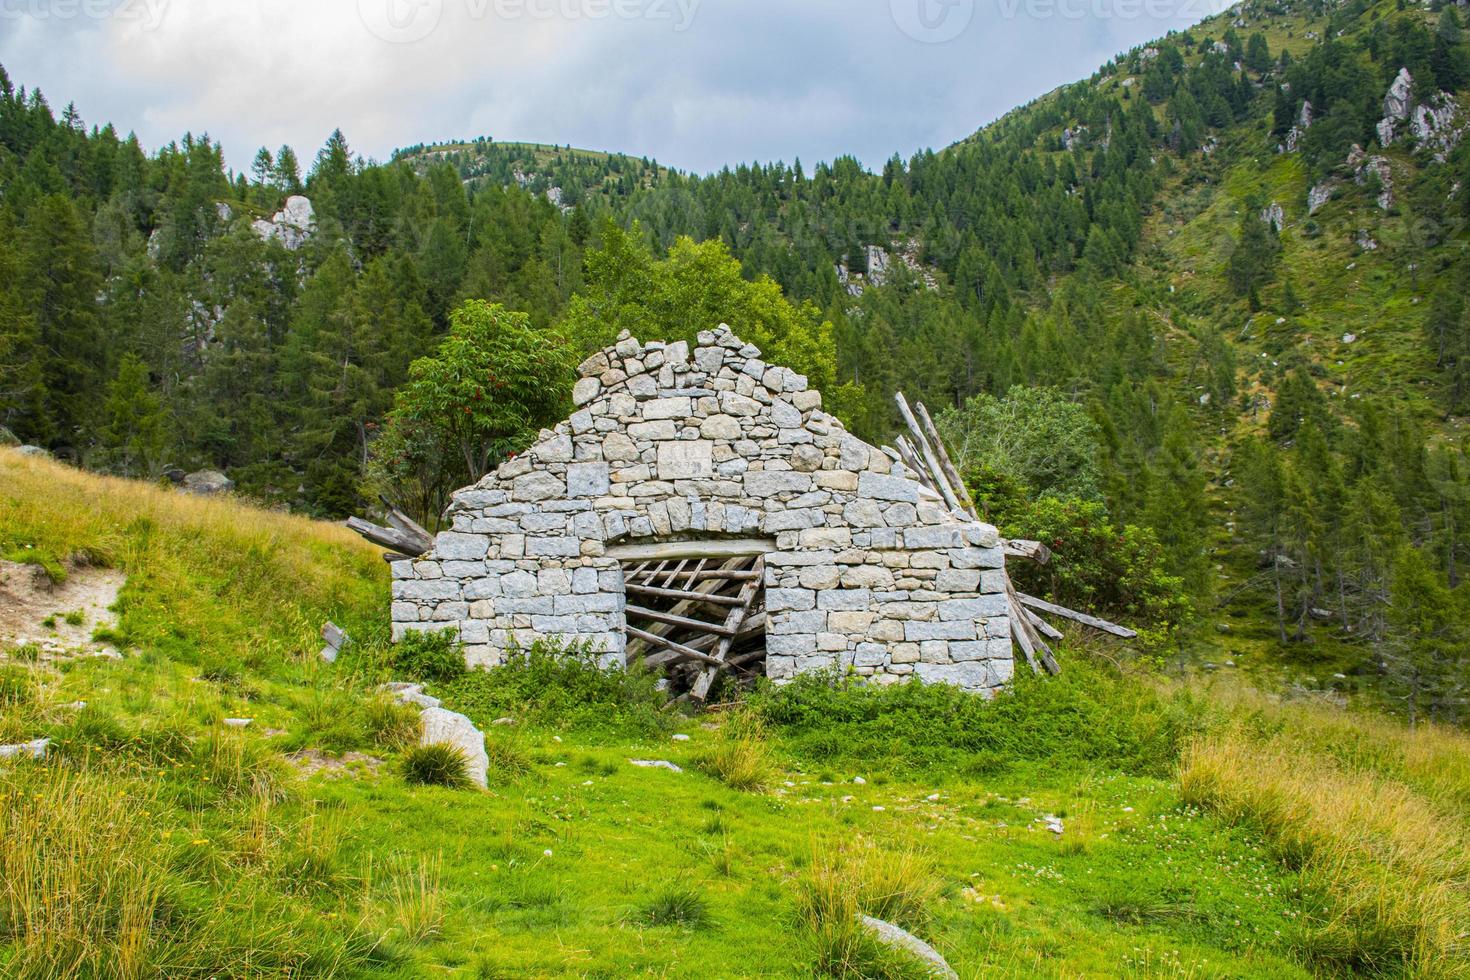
1319, 195
405, 693
859, 781
238, 722
334, 638
1274, 216
35, 749
36, 451
891, 935
656, 764
1053, 823
208, 483
443, 727
313, 761
681, 737
1349, 338
503, 721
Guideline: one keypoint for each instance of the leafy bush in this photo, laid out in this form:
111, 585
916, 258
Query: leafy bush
563, 686
739, 756
436, 765
1088, 714
677, 906
1114, 571
430, 656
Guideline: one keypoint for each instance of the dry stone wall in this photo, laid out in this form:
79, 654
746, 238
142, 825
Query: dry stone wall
867, 570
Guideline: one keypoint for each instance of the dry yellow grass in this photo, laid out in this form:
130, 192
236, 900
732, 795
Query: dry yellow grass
856, 877
739, 755
209, 572
1389, 863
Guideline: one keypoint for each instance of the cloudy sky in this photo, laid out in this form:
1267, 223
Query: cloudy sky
695, 83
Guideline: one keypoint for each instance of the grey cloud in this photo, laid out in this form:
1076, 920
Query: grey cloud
743, 80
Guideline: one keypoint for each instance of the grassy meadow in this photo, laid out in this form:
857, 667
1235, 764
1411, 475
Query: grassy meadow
1207, 831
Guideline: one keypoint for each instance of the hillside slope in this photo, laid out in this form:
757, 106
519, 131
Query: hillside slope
1269, 394
1042, 833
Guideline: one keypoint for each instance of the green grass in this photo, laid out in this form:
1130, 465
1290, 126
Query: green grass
159, 840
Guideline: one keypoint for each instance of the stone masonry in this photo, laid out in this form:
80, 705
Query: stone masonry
866, 570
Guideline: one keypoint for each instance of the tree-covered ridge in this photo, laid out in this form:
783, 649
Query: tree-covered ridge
1140, 243
567, 176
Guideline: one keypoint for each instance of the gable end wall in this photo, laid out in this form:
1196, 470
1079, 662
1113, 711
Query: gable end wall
869, 572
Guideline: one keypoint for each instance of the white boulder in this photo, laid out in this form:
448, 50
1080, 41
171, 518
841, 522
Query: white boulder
444, 727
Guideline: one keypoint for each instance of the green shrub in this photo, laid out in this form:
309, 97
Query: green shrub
564, 687
430, 656
1120, 572
436, 765
853, 878
1089, 714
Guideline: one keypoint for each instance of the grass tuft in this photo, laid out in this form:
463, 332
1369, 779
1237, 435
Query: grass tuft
679, 906
436, 765
739, 755
857, 877
1389, 867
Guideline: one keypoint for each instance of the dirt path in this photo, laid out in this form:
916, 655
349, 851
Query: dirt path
35, 611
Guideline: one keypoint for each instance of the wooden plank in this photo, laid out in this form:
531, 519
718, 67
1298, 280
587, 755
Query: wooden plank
1072, 614
668, 550
675, 651
712, 585
725, 574
951, 472
910, 459
662, 593
700, 689
1030, 550
931, 459
669, 578
388, 537
673, 619
1042, 626
402, 522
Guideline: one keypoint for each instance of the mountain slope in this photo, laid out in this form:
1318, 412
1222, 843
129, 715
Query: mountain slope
1041, 832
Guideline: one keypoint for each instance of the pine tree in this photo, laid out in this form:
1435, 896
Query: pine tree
1424, 658
61, 281
135, 432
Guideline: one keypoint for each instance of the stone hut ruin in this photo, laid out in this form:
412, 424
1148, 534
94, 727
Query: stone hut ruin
699, 510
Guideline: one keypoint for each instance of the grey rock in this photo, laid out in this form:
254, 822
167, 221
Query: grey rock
655, 764
891, 935
206, 483
443, 727
35, 749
